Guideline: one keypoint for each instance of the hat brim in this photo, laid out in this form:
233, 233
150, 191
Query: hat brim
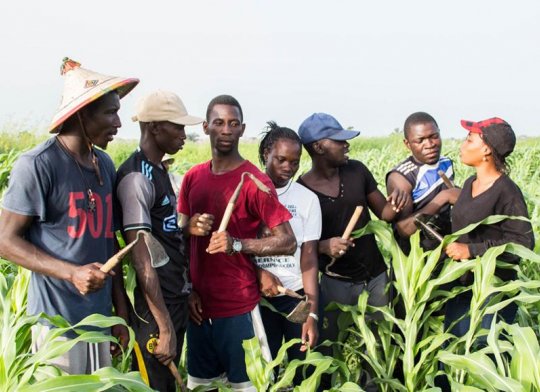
471, 126
122, 86
187, 120
344, 134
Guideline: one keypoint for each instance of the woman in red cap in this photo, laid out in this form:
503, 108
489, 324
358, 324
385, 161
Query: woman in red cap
488, 192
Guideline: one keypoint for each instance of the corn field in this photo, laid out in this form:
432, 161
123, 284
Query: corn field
401, 351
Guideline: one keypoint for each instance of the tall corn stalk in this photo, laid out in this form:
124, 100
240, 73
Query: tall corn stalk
22, 370
417, 338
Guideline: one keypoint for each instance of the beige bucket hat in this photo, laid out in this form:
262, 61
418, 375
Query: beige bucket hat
164, 106
82, 86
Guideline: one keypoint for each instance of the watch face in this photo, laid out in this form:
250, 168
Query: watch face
237, 246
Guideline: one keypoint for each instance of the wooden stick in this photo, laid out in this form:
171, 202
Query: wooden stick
174, 371
115, 259
346, 234
449, 184
352, 222
230, 205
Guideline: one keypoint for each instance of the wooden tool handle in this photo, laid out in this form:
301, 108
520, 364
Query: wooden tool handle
115, 259
226, 217
449, 184
174, 371
352, 222
289, 292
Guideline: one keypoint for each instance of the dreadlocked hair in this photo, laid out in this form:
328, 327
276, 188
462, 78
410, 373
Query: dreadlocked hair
271, 135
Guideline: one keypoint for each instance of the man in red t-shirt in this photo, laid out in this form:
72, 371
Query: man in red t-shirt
224, 301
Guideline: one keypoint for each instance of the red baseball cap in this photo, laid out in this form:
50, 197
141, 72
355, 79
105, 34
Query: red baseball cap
496, 132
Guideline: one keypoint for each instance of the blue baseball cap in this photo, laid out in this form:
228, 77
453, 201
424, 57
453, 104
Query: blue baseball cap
323, 126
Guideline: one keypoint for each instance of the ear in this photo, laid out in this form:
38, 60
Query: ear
243, 129
154, 128
205, 127
318, 147
486, 150
265, 154
407, 144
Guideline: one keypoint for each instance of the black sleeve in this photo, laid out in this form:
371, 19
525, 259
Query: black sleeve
515, 231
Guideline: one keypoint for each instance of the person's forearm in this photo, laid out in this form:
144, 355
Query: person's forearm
309, 266
119, 296
269, 246
388, 213
407, 227
148, 282
19, 251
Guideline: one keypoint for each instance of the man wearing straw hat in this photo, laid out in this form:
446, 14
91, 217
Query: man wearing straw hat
149, 203
224, 301
57, 217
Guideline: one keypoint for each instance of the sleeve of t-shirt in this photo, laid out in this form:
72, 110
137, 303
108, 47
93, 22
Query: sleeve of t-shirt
313, 226
28, 188
515, 231
183, 206
370, 184
136, 196
267, 206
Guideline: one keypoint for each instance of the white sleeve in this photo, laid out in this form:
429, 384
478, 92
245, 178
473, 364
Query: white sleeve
313, 224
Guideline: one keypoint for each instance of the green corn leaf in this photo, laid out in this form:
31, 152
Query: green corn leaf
255, 363
482, 370
524, 366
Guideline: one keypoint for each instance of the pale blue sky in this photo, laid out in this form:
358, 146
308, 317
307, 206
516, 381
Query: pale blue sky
370, 64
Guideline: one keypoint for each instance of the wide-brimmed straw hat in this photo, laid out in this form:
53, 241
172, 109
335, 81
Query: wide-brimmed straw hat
82, 86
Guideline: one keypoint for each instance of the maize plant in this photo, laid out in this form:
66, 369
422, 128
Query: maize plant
21, 370
413, 341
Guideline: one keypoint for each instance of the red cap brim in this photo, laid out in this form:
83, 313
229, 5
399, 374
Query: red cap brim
471, 126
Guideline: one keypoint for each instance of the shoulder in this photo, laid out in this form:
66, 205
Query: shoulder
43, 153
405, 167
354, 167
198, 169
250, 167
509, 187
303, 193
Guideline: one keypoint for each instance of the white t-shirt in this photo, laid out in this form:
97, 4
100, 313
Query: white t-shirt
306, 224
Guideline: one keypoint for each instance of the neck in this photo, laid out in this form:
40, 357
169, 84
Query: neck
77, 146
226, 163
487, 173
322, 170
151, 150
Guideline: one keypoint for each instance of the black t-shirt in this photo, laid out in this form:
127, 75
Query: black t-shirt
503, 198
363, 261
148, 202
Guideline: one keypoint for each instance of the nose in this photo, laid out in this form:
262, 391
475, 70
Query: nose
117, 122
227, 129
430, 143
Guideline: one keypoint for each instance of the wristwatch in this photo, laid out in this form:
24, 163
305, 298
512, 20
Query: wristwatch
236, 245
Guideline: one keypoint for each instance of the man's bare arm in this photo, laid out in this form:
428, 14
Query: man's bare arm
280, 242
148, 281
14, 247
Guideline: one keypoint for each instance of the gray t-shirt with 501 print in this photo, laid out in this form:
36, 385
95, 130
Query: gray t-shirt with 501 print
47, 184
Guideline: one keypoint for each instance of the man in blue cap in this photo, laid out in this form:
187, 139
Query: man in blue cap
342, 184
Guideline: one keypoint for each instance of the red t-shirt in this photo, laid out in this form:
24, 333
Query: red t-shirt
227, 284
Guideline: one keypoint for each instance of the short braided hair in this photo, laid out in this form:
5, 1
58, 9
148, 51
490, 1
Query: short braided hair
271, 135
